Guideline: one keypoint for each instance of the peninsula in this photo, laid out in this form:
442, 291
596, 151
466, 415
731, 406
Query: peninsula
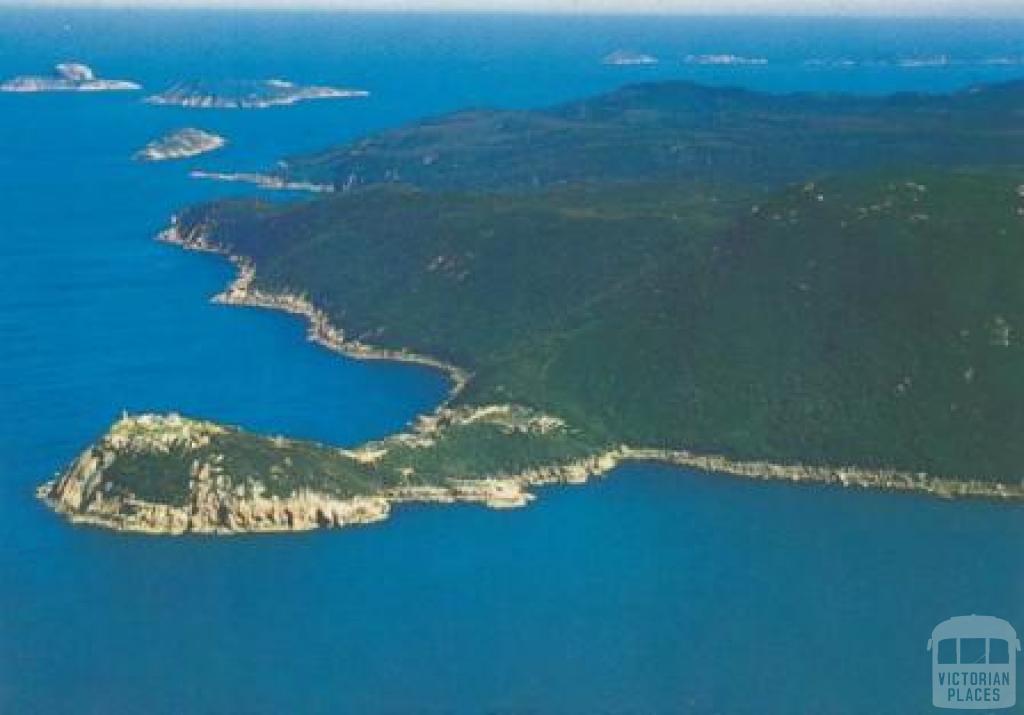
240, 94
857, 327
68, 77
181, 144
681, 132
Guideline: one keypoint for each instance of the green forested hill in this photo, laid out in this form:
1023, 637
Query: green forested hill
871, 320
680, 131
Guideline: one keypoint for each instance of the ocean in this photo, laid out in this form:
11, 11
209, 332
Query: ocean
655, 590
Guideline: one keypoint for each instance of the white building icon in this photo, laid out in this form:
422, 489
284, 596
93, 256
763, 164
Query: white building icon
974, 663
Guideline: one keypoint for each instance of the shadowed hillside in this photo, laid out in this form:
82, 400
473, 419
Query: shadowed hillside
681, 131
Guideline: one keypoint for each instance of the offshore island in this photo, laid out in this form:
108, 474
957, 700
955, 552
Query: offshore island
68, 77
810, 288
180, 144
627, 58
246, 94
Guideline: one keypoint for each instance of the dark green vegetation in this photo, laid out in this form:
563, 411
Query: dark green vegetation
680, 131
871, 321
870, 317
159, 476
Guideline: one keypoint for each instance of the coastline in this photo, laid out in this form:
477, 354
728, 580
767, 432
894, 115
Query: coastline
263, 181
891, 480
211, 511
240, 292
216, 509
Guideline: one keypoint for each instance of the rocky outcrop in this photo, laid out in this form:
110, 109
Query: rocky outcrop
210, 510
68, 77
216, 502
181, 144
242, 94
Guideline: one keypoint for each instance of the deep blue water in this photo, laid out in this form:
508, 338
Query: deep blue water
656, 590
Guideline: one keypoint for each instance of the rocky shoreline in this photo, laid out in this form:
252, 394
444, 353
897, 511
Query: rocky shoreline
242, 292
263, 181
892, 480
216, 506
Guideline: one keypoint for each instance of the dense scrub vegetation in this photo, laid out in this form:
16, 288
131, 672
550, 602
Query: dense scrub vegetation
871, 319
682, 132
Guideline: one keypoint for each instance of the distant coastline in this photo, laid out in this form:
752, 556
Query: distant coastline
263, 181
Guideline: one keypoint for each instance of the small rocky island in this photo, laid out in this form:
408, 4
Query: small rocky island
625, 58
68, 77
254, 94
724, 60
181, 144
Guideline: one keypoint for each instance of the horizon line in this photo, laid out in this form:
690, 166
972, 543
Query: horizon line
329, 6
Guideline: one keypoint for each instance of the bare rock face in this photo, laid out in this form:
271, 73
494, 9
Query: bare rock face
215, 504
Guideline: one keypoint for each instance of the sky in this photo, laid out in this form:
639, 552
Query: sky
915, 8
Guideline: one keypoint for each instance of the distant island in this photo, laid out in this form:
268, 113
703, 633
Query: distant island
927, 61
180, 144
817, 289
257, 94
68, 77
725, 60
627, 58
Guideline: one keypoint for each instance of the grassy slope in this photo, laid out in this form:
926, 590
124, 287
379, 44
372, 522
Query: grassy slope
865, 327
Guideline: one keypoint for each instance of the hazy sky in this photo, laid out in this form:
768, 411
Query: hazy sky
956, 8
